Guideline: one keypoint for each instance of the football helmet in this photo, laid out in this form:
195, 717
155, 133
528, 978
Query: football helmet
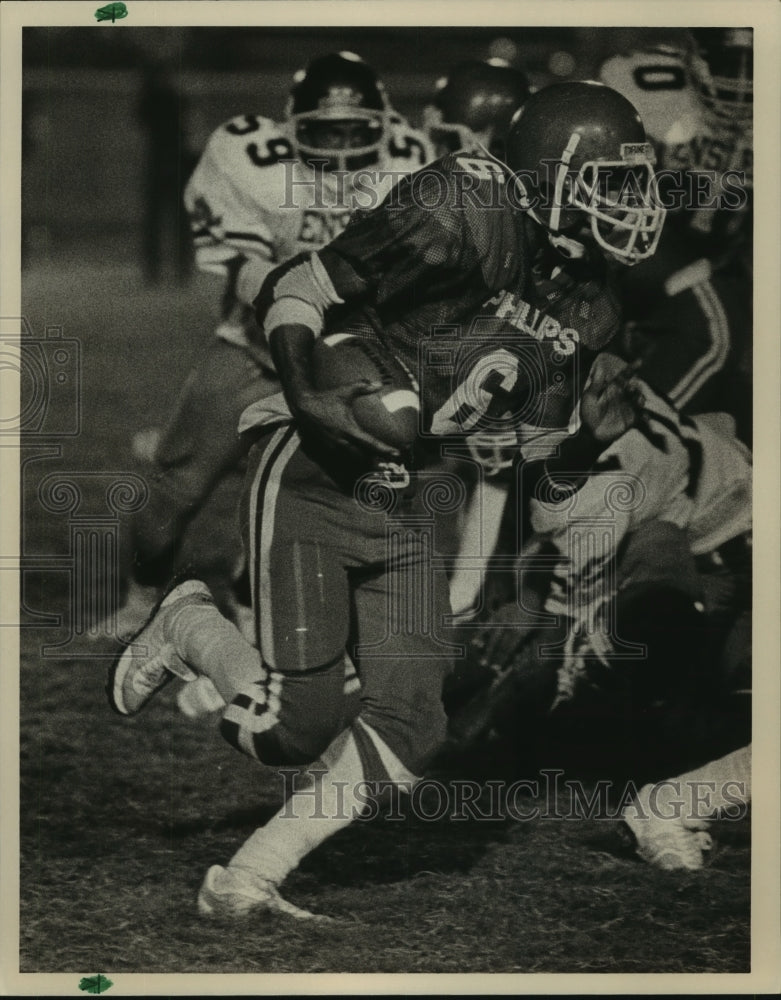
472, 107
581, 160
338, 112
722, 68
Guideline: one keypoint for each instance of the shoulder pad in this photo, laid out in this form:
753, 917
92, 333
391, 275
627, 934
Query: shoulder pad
248, 141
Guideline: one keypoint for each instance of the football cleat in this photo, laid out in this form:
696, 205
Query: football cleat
235, 893
666, 843
133, 679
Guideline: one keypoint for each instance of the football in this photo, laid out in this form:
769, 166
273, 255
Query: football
391, 413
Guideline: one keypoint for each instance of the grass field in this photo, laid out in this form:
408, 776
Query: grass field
121, 818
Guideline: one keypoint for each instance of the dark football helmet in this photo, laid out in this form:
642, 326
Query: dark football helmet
581, 159
338, 112
722, 68
473, 106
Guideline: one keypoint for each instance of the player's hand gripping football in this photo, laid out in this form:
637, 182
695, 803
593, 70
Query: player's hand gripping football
324, 413
328, 415
612, 399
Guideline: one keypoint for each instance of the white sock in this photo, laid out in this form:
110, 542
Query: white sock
215, 647
323, 805
719, 784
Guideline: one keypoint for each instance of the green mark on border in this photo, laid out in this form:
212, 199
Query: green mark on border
96, 984
111, 12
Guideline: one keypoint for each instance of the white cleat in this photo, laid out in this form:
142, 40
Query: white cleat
134, 679
237, 893
668, 842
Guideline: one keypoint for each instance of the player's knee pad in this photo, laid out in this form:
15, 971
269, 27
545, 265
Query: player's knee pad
287, 718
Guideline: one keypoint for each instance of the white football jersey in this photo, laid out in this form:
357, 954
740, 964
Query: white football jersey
249, 195
685, 133
690, 471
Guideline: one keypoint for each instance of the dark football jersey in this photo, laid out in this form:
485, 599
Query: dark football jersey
519, 361
442, 242
454, 278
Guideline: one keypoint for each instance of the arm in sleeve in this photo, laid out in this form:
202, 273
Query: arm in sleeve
296, 294
567, 471
412, 242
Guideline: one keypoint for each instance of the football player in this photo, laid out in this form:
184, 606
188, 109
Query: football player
473, 105
688, 498
647, 544
341, 567
689, 310
260, 193
695, 96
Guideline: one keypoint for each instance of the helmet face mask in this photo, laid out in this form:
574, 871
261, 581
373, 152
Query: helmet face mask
618, 199
338, 113
723, 71
339, 143
581, 160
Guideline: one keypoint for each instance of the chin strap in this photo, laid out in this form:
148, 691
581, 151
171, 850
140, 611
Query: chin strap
566, 246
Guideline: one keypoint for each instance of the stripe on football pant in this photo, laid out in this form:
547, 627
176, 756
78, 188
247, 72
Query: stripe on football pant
266, 483
255, 710
713, 359
253, 513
